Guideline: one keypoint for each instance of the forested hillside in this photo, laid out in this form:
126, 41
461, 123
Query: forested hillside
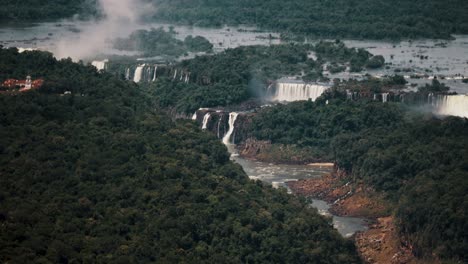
101, 176
419, 161
382, 19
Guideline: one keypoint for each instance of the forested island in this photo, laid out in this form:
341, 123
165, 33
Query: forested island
158, 42
240, 74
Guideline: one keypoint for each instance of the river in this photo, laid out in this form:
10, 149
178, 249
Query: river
278, 174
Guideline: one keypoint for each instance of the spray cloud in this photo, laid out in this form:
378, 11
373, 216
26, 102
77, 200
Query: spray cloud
121, 17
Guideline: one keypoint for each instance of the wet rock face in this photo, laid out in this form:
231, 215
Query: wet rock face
252, 147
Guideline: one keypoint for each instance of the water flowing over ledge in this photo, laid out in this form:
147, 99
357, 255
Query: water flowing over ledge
289, 90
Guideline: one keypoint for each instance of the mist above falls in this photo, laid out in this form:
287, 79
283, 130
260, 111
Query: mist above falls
120, 19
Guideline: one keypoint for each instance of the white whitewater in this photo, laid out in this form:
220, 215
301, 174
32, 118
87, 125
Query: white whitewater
175, 75
384, 97
138, 73
206, 118
297, 91
155, 71
232, 121
194, 117
100, 65
127, 74
454, 105
219, 124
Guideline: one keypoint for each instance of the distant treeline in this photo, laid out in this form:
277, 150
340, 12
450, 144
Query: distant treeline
362, 19
418, 160
99, 175
38, 10
375, 19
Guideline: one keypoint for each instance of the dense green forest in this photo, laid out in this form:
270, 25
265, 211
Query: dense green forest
38, 10
243, 73
158, 42
381, 19
102, 176
418, 160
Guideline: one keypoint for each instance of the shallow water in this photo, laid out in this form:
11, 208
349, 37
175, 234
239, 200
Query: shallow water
277, 175
45, 36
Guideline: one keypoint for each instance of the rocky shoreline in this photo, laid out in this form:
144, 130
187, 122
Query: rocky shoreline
381, 242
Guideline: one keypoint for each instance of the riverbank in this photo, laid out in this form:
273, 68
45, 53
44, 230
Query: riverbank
265, 151
381, 243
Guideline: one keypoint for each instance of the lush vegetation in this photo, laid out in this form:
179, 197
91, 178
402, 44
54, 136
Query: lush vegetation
101, 176
37, 10
337, 53
158, 42
419, 161
239, 74
382, 19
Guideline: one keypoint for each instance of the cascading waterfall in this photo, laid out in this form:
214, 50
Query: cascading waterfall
175, 75
206, 118
148, 73
100, 65
297, 91
194, 117
454, 105
232, 121
127, 74
385, 97
219, 124
155, 71
138, 73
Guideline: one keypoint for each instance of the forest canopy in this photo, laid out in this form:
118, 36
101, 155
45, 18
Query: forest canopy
99, 174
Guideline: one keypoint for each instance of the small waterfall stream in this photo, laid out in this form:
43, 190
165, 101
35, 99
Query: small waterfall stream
232, 121
206, 118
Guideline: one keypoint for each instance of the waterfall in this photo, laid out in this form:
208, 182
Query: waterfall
175, 75
454, 105
385, 97
375, 97
138, 73
155, 71
206, 118
127, 74
219, 123
100, 65
148, 74
232, 121
297, 91
194, 117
